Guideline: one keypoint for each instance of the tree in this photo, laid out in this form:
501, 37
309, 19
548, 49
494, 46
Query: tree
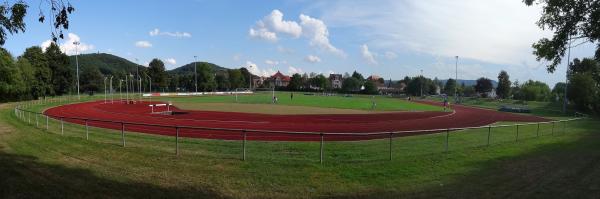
222, 81
91, 79
28, 78
156, 71
559, 91
450, 87
320, 81
534, 91
11, 81
62, 76
503, 89
350, 85
295, 82
206, 78
483, 86
358, 76
11, 18
42, 85
370, 88
569, 20
236, 78
583, 91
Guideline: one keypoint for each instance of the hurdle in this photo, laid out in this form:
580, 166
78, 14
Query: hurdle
160, 105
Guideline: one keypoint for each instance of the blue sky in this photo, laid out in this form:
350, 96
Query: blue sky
389, 38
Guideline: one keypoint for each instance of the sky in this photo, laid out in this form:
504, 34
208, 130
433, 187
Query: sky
388, 38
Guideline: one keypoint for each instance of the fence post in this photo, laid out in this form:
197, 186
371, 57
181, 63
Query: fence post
62, 126
564, 126
47, 123
244, 145
37, 124
537, 132
489, 134
177, 140
517, 139
87, 130
123, 133
447, 137
391, 134
28, 117
321, 150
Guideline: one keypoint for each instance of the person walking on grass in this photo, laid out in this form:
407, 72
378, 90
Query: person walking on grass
292, 96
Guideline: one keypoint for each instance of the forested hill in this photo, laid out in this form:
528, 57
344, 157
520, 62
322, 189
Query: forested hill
106, 63
189, 68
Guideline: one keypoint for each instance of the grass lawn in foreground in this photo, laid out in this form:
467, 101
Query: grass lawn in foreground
355, 102
40, 163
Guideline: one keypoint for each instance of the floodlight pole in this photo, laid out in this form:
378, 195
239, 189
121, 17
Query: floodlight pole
195, 74
150, 80
120, 90
456, 80
126, 89
110, 90
250, 77
77, 64
105, 89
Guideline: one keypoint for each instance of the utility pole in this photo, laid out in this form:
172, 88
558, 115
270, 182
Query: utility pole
77, 64
250, 77
195, 74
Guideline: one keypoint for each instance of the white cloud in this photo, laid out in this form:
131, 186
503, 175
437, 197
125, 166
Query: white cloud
271, 62
390, 55
171, 61
318, 34
367, 55
293, 70
68, 47
253, 68
268, 27
285, 50
143, 44
468, 28
312, 59
157, 32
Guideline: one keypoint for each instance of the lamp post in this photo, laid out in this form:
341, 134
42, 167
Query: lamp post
77, 64
105, 89
150, 85
120, 90
456, 80
195, 74
126, 89
110, 90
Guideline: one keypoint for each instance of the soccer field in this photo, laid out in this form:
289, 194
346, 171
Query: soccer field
355, 102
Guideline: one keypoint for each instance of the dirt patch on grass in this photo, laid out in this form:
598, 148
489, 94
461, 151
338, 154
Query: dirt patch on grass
267, 108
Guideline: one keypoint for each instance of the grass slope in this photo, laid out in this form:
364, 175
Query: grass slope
558, 164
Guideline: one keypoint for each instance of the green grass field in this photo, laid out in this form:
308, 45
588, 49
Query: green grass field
558, 164
358, 102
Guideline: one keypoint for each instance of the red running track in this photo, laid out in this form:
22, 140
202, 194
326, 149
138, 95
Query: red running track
354, 126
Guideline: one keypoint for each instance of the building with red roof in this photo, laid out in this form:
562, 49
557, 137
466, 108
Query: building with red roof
280, 80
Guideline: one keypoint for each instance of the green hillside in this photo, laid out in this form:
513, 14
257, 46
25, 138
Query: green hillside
189, 68
107, 63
